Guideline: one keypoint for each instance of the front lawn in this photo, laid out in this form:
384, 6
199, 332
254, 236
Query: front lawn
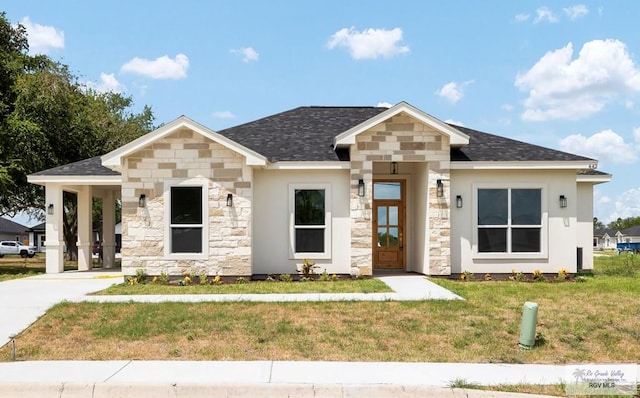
593, 321
259, 287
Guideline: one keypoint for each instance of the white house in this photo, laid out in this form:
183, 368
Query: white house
355, 189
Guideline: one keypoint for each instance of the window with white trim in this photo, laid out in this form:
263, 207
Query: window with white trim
509, 220
310, 213
186, 229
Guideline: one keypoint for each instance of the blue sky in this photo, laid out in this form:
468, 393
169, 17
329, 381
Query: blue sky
565, 75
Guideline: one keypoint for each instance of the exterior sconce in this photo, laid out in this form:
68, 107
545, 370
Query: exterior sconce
50, 209
361, 188
229, 200
142, 201
394, 167
439, 188
563, 201
459, 201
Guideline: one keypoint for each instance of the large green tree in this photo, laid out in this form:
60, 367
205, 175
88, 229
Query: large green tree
49, 118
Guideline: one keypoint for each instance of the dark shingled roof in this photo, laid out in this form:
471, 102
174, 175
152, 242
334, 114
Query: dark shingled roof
11, 227
632, 231
488, 147
602, 231
304, 133
87, 167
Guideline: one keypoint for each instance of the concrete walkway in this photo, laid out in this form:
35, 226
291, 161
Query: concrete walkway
406, 288
23, 301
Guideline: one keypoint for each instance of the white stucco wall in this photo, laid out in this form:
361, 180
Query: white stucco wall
271, 242
585, 223
562, 223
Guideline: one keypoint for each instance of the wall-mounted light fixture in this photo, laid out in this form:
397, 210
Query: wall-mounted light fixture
229, 200
50, 209
394, 167
563, 201
361, 188
142, 201
459, 201
439, 188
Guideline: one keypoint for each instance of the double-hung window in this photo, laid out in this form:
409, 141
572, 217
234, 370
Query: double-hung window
510, 220
186, 211
310, 232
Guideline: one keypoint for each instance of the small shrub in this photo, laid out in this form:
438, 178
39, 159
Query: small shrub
581, 279
285, 278
563, 274
335, 277
487, 277
538, 276
241, 280
270, 278
141, 276
185, 281
164, 278
324, 277
155, 280
467, 276
516, 276
308, 267
217, 280
202, 278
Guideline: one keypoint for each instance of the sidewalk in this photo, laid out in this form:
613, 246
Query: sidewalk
262, 378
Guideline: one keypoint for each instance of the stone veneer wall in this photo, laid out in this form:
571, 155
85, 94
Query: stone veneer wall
185, 155
400, 139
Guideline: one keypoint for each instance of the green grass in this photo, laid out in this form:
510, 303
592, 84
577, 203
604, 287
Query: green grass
261, 287
593, 321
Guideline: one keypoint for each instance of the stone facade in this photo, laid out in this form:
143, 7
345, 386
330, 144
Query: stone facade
400, 139
180, 156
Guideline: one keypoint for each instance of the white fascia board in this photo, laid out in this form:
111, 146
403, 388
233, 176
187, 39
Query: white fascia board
456, 137
521, 165
114, 157
75, 180
318, 165
594, 179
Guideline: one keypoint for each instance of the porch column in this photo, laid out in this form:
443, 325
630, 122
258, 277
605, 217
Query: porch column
53, 229
108, 230
85, 241
361, 226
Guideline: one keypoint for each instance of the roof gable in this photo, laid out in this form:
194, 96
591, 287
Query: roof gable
456, 137
11, 227
114, 158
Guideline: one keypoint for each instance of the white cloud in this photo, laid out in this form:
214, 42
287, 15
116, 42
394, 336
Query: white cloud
545, 14
561, 87
606, 146
604, 200
370, 43
507, 107
223, 115
625, 205
384, 105
42, 38
456, 122
575, 12
453, 91
159, 68
522, 17
636, 135
248, 53
108, 82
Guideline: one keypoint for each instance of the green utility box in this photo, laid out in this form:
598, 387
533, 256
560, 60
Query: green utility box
528, 329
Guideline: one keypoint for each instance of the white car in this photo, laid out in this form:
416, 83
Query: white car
15, 247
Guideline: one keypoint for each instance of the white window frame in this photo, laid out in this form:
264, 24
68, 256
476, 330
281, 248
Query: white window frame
328, 199
203, 183
544, 215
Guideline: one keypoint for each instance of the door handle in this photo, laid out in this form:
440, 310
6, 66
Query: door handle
400, 240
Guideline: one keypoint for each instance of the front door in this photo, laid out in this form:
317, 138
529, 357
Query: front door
388, 224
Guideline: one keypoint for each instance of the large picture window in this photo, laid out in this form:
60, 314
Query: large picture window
510, 220
186, 215
311, 220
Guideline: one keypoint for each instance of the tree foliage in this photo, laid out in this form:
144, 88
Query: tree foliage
624, 223
49, 118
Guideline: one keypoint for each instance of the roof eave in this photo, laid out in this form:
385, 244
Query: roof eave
522, 164
74, 179
456, 137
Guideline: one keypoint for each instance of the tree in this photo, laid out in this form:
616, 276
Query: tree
597, 223
625, 223
47, 119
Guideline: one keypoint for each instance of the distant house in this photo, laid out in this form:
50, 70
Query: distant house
605, 238
10, 230
37, 237
355, 189
630, 235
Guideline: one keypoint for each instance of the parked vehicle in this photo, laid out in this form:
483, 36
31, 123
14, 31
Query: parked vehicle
14, 247
633, 247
